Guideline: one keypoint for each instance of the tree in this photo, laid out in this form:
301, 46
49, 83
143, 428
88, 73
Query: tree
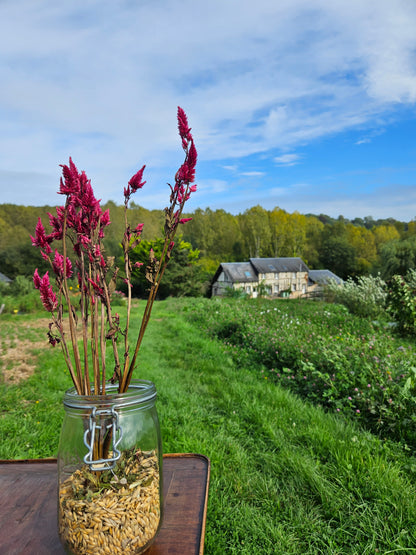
383, 234
339, 257
256, 231
314, 229
397, 257
183, 276
362, 239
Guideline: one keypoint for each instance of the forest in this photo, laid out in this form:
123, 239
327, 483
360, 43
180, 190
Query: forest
350, 248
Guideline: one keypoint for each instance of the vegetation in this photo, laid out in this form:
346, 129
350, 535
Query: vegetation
288, 475
364, 297
344, 363
348, 248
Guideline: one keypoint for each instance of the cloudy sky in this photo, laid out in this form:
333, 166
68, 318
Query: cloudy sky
308, 105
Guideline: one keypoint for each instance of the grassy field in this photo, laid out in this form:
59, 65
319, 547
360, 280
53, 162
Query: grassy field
286, 476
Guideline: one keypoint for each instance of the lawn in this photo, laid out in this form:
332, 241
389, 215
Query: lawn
289, 475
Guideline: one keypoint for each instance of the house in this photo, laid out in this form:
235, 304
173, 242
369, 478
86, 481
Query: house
322, 277
318, 279
272, 277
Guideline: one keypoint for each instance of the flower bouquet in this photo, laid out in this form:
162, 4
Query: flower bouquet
110, 459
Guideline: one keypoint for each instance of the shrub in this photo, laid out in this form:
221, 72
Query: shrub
337, 360
21, 285
22, 303
401, 301
365, 297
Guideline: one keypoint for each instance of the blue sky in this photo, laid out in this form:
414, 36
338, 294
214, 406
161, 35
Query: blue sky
308, 105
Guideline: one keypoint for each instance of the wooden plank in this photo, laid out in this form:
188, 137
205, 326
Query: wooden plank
28, 507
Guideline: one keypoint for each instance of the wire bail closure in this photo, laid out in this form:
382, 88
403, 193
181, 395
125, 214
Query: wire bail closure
96, 417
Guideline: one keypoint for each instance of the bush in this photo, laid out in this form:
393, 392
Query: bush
21, 285
401, 301
23, 303
365, 297
337, 360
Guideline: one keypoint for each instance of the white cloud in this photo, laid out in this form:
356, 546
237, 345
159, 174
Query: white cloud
287, 159
364, 141
252, 174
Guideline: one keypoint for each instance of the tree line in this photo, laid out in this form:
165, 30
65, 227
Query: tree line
350, 248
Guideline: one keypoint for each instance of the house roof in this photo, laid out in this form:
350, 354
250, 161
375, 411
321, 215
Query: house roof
323, 276
267, 265
239, 271
4, 278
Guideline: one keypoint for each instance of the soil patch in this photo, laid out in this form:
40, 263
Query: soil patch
18, 355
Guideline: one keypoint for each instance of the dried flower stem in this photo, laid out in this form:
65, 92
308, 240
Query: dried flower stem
82, 222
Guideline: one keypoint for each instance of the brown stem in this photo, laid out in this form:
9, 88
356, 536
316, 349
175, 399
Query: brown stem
102, 348
72, 324
84, 318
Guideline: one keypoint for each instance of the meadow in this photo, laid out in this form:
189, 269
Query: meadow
304, 411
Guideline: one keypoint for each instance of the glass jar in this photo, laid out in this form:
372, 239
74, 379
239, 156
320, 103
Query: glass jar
110, 471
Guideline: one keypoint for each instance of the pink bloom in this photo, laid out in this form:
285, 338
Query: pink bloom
99, 291
36, 279
105, 218
70, 184
58, 265
47, 295
138, 264
184, 220
183, 127
136, 181
139, 228
192, 157
41, 240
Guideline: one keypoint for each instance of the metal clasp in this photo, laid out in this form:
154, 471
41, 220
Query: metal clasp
96, 417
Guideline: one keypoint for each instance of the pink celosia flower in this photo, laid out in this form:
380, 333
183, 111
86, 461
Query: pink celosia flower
41, 240
70, 184
105, 218
47, 295
183, 127
36, 279
99, 291
80, 223
58, 265
136, 181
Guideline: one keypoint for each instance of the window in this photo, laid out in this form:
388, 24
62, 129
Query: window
276, 289
294, 275
262, 276
248, 288
276, 275
293, 286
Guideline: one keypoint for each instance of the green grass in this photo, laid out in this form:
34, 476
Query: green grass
286, 477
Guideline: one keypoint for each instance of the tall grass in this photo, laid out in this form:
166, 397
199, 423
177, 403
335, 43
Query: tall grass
286, 476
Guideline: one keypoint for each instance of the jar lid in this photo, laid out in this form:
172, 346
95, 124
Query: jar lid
139, 392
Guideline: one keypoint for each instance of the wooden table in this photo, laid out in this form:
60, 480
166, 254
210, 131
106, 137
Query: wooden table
28, 507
